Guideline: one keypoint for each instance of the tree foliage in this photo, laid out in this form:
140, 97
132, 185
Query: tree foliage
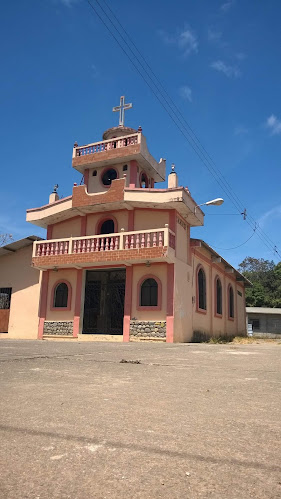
266, 279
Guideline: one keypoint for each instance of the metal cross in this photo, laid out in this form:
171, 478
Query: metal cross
122, 108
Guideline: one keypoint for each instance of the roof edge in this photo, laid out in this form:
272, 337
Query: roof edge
209, 248
19, 244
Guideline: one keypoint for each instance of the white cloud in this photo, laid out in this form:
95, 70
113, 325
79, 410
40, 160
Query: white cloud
214, 36
240, 56
270, 214
69, 3
241, 130
227, 5
186, 40
186, 93
229, 71
274, 125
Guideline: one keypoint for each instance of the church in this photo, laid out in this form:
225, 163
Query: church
118, 261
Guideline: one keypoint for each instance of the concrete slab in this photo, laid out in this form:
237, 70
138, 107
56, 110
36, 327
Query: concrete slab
187, 421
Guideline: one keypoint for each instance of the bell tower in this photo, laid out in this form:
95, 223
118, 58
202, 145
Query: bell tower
122, 153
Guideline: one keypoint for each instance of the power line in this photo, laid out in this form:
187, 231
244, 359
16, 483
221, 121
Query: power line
176, 115
196, 147
198, 152
177, 109
222, 214
235, 247
232, 195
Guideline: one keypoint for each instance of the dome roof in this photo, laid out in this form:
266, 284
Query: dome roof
117, 131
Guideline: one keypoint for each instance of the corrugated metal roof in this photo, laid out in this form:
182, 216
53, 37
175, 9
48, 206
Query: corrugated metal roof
8, 249
242, 278
263, 310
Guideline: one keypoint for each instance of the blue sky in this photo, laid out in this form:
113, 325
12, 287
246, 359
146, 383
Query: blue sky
219, 60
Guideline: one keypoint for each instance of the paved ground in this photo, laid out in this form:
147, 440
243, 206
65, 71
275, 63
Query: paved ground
190, 421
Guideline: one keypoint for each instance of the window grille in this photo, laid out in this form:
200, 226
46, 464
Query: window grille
202, 302
149, 293
5, 298
61, 295
219, 297
231, 302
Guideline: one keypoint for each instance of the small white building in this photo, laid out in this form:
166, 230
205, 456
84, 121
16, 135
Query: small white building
266, 322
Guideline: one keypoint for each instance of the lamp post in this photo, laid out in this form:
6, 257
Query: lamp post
215, 202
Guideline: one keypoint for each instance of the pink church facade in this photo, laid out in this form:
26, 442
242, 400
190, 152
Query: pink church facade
118, 260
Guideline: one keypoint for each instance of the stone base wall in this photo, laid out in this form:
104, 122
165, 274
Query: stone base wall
56, 328
148, 329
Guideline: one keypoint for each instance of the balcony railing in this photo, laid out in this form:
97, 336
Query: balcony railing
163, 237
107, 145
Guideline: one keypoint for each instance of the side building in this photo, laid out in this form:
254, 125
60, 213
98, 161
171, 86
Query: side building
20, 285
266, 322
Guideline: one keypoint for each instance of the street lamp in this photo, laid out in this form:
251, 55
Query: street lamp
215, 202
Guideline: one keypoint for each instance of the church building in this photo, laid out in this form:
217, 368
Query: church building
118, 260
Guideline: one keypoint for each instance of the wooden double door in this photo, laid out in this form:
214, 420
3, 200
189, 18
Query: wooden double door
5, 303
104, 301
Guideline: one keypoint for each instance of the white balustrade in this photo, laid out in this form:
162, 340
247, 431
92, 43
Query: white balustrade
134, 240
107, 145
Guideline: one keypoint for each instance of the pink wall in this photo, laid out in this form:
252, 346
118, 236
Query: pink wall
150, 219
69, 275
209, 321
67, 228
182, 302
121, 218
182, 239
128, 303
95, 182
170, 303
140, 271
77, 303
133, 174
25, 281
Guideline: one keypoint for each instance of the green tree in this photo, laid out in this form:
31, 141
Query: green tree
266, 279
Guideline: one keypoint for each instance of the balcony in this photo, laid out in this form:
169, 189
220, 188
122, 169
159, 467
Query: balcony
156, 245
116, 150
106, 145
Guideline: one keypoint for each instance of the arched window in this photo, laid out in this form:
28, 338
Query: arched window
94, 173
201, 283
60, 299
143, 180
107, 227
149, 293
218, 292
108, 176
230, 303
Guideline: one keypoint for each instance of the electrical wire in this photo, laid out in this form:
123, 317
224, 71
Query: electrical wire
235, 247
198, 152
229, 194
177, 109
176, 116
222, 214
233, 194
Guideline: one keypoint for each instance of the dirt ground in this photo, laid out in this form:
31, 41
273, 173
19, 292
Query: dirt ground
187, 421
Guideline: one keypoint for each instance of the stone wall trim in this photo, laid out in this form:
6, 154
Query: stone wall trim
148, 329
58, 328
